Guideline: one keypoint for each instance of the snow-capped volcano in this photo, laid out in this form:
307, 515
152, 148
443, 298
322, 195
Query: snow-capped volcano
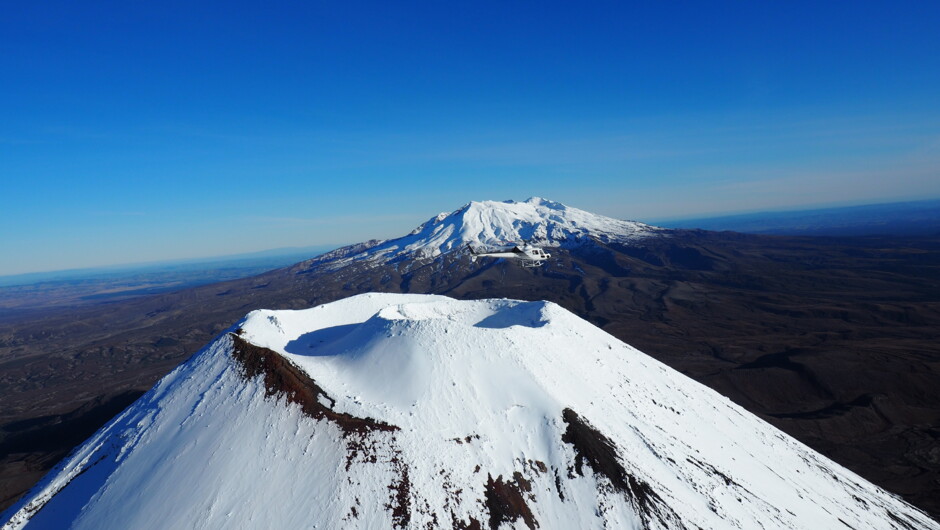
544, 222
536, 219
419, 411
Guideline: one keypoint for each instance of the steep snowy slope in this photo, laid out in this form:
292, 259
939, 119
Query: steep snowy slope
541, 221
419, 411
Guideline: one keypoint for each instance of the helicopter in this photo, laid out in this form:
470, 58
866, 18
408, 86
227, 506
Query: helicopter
528, 255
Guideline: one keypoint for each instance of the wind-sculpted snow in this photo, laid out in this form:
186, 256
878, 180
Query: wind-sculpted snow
414, 411
492, 223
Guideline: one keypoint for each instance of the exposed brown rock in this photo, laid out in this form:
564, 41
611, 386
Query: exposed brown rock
591, 447
506, 503
400, 501
472, 524
836, 337
283, 379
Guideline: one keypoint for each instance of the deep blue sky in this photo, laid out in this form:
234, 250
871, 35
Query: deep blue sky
135, 131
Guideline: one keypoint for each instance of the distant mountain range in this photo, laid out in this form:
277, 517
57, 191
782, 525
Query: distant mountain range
70, 288
915, 218
831, 340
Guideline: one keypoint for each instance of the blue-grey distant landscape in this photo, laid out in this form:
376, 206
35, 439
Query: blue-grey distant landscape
146, 132
470, 264
913, 218
108, 284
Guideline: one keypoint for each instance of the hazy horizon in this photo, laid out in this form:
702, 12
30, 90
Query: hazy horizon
140, 133
682, 222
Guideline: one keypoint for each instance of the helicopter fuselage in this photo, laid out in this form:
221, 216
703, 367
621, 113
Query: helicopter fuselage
527, 254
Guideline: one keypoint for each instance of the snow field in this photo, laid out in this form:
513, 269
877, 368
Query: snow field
477, 391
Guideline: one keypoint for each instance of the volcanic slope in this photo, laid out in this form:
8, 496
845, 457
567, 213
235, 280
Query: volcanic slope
420, 411
831, 340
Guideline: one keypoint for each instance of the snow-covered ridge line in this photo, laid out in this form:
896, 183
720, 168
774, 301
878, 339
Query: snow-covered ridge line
417, 411
504, 499
541, 221
287, 381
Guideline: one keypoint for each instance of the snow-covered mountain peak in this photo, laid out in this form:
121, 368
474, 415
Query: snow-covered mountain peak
419, 411
493, 223
536, 219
